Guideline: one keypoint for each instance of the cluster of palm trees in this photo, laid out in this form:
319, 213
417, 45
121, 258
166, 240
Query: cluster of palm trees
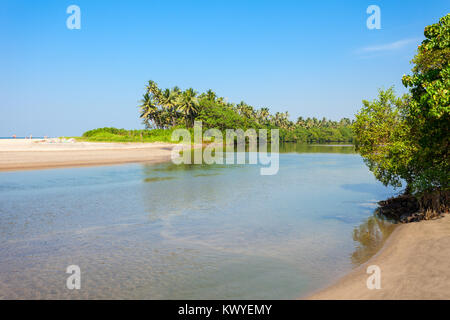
262, 116
173, 107
309, 123
169, 107
281, 119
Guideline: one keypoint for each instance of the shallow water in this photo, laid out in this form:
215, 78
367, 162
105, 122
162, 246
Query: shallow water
190, 232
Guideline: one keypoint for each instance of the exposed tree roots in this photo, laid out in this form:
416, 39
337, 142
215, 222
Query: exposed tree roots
408, 208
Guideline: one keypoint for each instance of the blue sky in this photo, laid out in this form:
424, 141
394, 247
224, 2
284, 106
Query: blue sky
311, 58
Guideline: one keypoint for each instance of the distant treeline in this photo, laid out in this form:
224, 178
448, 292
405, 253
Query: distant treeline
341, 134
171, 108
123, 135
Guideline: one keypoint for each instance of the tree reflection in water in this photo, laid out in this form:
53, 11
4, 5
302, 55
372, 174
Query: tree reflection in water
371, 236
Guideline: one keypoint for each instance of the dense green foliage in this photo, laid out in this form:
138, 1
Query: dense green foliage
172, 107
408, 138
122, 135
382, 138
428, 112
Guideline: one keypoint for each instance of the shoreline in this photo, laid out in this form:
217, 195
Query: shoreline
414, 264
18, 155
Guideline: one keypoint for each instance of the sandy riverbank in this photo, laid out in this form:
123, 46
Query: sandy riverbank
26, 154
414, 263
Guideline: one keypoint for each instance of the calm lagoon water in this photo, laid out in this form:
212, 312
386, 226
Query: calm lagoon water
190, 232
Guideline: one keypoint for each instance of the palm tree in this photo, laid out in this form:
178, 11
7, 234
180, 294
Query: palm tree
240, 107
250, 112
263, 115
315, 121
188, 104
277, 119
300, 122
169, 100
165, 118
286, 116
176, 91
152, 88
149, 111
211, 95
245, 110
344, 122
286, 123
221, 100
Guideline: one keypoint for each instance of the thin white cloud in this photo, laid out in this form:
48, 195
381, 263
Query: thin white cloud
389, 46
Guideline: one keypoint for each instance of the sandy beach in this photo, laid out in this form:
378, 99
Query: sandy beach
414, 263
26, 154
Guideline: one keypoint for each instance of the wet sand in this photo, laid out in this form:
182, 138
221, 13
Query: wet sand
414, 263
26, 154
